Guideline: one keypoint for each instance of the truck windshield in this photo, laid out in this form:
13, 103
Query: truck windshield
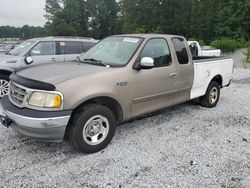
113, 51
22, 48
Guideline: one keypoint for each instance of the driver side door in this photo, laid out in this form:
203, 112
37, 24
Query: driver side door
155, 88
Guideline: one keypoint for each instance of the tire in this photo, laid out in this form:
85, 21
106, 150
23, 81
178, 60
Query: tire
211, 98
4, 85
92, 128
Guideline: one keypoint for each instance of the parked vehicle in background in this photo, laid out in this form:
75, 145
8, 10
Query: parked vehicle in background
197, 50
5, 48
120, 78
40, 51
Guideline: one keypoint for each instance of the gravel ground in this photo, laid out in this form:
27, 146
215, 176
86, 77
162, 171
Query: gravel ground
182, 146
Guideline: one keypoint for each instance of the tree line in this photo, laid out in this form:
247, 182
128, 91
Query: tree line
25, 32
199, 19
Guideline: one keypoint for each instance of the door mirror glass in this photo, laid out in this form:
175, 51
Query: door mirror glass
28, 60
147, 63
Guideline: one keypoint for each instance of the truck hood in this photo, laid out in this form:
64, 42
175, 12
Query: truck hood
56, 73
4, 58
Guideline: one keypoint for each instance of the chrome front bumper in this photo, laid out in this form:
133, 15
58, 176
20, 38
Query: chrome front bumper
34, 123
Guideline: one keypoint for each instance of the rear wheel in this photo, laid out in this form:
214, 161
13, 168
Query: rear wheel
211, 98
4, 85
92, 128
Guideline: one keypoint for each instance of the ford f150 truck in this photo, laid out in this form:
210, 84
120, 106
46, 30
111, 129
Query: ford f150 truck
118, 79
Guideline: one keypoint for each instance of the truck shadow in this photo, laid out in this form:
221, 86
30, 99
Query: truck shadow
169, 111
21, 144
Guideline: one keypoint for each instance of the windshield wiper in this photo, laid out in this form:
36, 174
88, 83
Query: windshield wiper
97, 61
78, 58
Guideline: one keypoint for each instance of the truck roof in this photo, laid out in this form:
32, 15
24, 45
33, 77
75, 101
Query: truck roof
64, 38
148, 35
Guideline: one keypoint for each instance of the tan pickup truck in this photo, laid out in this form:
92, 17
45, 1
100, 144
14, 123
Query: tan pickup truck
118, 79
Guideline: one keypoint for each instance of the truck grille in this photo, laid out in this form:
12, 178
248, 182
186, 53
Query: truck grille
17, 94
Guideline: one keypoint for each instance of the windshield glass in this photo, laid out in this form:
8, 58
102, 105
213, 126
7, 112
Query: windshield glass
22, 48
115, 51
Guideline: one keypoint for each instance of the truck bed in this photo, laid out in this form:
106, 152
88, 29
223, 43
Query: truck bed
199, 59
206, 68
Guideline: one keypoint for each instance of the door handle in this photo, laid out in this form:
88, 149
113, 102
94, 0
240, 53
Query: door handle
53, 59
173, 75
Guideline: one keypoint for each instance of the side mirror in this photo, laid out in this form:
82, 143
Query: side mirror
28, 60
147, 63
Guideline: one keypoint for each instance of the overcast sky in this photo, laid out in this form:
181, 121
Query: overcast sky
21, 12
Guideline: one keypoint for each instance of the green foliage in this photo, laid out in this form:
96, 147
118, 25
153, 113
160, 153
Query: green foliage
247, 54
233, 19
95, 18
229, 45
206, 20
192, 39
202, 43
242, 43
24, 32
139, 30
226, 45
52, 8
200, 19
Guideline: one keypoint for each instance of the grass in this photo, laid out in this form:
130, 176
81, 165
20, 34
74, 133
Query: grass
229, 45
247, 54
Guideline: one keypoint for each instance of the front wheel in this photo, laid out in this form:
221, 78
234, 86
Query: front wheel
4, 85
211, 98
92, 128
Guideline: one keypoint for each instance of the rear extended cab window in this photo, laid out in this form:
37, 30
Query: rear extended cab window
181, 51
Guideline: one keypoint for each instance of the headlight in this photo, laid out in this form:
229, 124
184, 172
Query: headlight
45, 100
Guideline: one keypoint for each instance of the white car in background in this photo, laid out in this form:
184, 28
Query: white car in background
208, 51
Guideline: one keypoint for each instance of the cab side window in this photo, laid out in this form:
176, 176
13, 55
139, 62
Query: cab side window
71, 47
44, 48
181, 50
157, 49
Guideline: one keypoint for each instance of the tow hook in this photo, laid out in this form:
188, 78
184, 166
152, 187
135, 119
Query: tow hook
5, 121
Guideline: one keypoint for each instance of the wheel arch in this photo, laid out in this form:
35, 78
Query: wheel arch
109, 102
218, 78
6, 72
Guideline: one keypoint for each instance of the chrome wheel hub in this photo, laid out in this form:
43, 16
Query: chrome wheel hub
95, 130
213, 95
4, 88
